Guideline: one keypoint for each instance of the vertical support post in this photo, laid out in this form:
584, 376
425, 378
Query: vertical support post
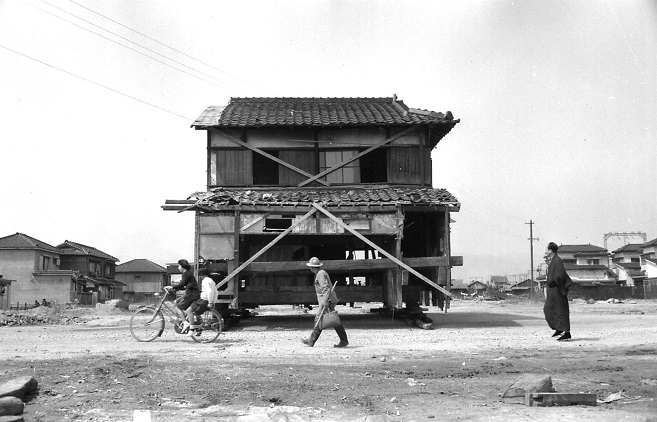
236, 258
398, 278
448, 255
197, 241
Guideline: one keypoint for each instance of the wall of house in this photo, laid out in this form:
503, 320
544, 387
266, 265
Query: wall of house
147, 283
20, 265
602, 259
588, 274
230, 164
55, 289
651, 269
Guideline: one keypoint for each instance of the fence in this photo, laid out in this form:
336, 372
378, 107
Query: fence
617, 292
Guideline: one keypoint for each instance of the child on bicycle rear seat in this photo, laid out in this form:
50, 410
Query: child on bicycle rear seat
208, 297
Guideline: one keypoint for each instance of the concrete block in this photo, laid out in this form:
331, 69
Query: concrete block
561, 399
11, 406
17, 418
18, 387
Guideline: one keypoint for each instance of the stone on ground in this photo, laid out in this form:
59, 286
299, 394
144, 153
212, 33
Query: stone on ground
18, 387
11, 406
529, 383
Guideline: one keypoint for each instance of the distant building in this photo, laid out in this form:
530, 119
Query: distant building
587, 265
35, 269
142, 279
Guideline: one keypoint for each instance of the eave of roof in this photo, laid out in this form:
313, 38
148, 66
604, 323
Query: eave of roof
139, 266
289, 111
74, 248
330, 197
23, 241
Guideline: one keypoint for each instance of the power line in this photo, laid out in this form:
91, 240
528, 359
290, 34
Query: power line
165, 45
128, 40
95, 83
125, 46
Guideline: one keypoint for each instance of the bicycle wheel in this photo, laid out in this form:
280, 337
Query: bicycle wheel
211, 326
146, 324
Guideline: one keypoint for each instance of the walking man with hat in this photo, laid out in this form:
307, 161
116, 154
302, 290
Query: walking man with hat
327, 299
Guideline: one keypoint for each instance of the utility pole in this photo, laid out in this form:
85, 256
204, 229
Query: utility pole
531, 252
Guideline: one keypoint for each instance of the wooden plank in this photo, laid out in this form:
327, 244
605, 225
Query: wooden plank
561, 399
383, 251
349, 264
355, 157
263, 250
263, 153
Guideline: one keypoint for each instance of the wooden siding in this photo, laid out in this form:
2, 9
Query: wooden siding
302, 159
404, 166
232, 168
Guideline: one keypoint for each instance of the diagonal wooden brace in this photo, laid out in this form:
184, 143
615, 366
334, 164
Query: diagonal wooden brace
381, 250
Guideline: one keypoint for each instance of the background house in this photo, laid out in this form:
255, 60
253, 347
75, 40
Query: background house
96, 269
142, 279
587, 264
523, 288
35, 267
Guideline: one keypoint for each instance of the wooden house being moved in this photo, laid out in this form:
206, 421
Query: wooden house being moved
347, 180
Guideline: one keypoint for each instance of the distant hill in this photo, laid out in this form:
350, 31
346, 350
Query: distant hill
487, 265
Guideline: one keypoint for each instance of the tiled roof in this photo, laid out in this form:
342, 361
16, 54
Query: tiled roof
140, 266
352, 196
571, 267
23, 241
629, 265
650, 243
630, 247
259, 112
56, 272
580, 248
73, 248
101, 281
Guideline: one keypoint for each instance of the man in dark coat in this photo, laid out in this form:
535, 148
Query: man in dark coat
556, 309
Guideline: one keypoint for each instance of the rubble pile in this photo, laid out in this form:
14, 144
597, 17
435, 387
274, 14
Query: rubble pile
33, 317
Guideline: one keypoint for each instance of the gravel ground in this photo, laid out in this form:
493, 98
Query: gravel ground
89, 368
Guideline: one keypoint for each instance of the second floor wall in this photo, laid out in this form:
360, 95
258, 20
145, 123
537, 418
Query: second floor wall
406, 160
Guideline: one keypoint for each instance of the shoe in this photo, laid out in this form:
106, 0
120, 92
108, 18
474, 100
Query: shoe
557, 333
565, 336
308, 342
184, 327
343, 343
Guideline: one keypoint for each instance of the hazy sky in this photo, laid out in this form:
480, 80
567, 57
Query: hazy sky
557, 101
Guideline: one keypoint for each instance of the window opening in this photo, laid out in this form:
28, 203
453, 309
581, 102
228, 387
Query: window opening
265, 170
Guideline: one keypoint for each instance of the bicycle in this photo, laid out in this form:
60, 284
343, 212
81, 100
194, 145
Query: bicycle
147, 322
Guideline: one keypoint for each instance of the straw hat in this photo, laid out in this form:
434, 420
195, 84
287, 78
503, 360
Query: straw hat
314, 262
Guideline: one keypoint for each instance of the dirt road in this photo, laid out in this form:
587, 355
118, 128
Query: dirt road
259, 371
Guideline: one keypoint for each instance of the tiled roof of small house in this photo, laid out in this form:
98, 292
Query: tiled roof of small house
650, 243
140, 266
23, 241
629, 265
351, 196
260, 112
573, 249
570, 267
73, 248
630, 247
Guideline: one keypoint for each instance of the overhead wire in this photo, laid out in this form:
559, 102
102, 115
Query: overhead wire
95, 83
165, 45
128, 47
